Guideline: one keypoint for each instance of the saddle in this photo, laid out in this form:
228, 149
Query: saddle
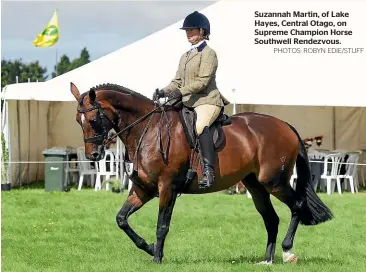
188, 119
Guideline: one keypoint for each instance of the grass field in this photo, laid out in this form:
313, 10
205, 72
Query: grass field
76, 231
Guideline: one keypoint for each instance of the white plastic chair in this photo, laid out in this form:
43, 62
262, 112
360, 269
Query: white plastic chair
102, 169
128, 167
363, 167
85, 168
119, 165
329, 176
351, 172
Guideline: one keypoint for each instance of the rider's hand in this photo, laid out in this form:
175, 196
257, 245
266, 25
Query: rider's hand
158, 94
174, 94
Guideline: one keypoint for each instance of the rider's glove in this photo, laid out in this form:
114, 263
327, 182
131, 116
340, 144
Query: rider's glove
158, 94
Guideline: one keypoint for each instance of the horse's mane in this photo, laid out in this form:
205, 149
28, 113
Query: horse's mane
117, 88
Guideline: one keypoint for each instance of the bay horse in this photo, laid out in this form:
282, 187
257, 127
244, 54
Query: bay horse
260, 150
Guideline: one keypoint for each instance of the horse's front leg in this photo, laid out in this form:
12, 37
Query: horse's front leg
136, 199
166, 205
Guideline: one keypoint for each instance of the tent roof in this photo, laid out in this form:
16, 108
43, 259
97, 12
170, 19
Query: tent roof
258, 75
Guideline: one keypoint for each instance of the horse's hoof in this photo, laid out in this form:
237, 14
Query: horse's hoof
151, 249
265, 263
289, 257
157, 260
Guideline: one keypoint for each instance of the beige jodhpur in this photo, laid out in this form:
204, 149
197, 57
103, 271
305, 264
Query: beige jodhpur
206, 115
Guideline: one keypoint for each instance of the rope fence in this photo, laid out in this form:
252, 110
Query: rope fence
46, 162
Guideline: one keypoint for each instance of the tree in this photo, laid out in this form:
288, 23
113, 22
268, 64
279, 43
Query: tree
11, 69
34, 72
62, 67
65, 65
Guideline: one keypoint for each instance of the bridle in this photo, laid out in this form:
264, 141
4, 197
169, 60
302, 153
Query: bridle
103, 137
104, 119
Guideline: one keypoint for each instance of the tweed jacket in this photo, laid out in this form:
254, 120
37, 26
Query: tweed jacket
196, 78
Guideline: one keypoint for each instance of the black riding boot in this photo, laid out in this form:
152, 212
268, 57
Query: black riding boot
208, 158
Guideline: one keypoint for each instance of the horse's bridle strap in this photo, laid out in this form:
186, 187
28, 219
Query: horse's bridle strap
103, 116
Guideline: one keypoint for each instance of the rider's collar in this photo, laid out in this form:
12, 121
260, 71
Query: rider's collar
199, 46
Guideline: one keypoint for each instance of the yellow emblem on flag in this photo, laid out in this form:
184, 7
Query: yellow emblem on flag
49, 35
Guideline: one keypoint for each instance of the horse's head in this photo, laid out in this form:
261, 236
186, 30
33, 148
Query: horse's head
96, 116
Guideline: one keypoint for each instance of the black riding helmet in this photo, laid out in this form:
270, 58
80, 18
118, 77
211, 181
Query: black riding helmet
197, 20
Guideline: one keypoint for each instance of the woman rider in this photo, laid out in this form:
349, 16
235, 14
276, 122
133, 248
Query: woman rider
195, 81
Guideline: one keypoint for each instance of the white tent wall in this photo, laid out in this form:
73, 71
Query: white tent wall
28, 132
64, 130
350, 128
34, 127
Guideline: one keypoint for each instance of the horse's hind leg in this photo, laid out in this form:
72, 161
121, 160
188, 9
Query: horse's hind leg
264, 206
288, 196
136, 199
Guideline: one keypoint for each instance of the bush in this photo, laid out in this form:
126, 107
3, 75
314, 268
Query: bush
4, 160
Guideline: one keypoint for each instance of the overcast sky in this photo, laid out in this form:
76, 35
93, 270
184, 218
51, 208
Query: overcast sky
102, 27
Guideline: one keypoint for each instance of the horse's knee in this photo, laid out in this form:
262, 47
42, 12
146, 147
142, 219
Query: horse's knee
121, 220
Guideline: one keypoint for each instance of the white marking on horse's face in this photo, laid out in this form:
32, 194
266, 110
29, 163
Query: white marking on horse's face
82, 119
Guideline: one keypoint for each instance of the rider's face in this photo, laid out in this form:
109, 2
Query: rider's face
194, 35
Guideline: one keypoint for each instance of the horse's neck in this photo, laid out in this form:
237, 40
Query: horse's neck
130, 109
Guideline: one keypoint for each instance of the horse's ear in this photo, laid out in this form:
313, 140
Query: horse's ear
75, 91
92, 96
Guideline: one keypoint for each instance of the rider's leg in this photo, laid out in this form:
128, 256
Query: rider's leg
206, 115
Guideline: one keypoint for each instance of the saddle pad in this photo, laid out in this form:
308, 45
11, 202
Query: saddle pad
188, 119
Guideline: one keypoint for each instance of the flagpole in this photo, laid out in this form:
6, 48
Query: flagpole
56, 54
56, 62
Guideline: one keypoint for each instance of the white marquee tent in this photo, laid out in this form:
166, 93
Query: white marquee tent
41, 115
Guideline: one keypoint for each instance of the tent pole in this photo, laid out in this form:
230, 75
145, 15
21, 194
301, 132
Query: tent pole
8, 141
19, 147
37, 142
334, 129
234, 104
117, 156
29, 141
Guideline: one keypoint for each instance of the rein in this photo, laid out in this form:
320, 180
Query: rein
138, 121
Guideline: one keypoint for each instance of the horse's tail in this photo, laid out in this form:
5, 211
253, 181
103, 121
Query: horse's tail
313, 211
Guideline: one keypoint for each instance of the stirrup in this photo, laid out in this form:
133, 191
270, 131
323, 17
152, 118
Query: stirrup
207, 180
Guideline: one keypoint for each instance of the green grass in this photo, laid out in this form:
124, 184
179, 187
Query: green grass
76, 231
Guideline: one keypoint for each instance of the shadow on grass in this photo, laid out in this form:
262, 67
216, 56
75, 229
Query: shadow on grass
39, 184
278, 260
254, 260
